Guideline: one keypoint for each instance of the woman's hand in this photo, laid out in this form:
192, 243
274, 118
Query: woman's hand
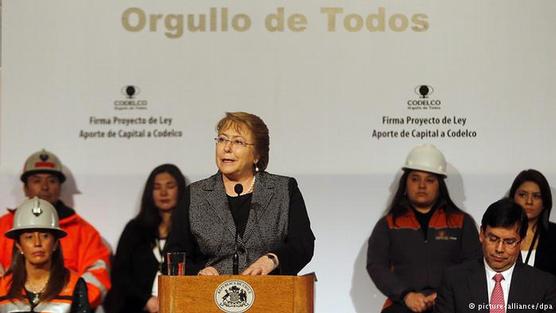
262, 266
208, 271
418, 302
152, 305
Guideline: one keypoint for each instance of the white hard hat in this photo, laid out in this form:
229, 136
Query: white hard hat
426, 158
35, 214
43, 162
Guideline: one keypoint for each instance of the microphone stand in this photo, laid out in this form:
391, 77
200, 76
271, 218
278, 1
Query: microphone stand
238, 188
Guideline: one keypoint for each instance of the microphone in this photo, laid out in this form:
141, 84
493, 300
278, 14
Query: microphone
238, 188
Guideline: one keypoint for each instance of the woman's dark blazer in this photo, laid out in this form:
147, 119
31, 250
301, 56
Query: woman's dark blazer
133, 271
545, 257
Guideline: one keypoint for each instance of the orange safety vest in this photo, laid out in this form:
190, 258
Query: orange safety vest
60, 304
83, 250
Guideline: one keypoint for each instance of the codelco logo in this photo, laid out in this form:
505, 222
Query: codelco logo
424, 102
130, 103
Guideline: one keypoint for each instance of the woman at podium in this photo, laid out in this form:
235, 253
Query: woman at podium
243, 220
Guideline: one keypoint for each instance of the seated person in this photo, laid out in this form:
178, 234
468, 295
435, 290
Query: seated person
84, 251
497, 282
37, 281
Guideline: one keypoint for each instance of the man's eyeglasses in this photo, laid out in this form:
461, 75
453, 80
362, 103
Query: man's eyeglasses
509, 242
236, 142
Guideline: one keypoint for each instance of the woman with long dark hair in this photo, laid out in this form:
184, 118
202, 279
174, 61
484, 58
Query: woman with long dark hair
139, 256
37, 280
531, 191
422, 233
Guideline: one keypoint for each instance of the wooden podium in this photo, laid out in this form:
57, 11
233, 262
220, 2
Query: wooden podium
200, 294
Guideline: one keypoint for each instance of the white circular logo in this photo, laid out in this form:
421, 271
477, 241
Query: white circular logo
234, 296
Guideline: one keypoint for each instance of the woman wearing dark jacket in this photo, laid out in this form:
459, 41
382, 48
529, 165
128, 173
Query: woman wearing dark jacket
139, 255
243, 220
531, 191
423, 233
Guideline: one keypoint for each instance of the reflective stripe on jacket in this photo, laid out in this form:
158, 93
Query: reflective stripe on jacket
60, 304
401, 259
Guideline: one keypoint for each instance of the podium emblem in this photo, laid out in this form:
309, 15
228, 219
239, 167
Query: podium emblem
234, 296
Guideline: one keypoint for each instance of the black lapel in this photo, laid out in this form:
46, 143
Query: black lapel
477, 284
518, 281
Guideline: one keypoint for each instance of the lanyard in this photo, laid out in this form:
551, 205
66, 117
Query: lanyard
535, 237
160, 243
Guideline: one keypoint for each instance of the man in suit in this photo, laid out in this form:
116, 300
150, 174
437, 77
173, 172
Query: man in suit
498, 283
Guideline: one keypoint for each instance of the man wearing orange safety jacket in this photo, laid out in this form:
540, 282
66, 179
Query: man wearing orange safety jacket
83, 249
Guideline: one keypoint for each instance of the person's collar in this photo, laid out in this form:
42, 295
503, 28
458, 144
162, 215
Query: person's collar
63, 210
434, 208
418, 213
441, 203
490, 272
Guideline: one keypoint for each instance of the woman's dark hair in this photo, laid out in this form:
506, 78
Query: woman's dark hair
59, 275
539, 179
148, 215
505, 213
400, 203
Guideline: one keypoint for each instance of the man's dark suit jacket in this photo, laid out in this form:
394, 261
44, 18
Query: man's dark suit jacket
464, 289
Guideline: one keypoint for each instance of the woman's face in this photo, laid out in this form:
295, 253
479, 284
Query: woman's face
235, 153
165, 192
422, 189
529, 197
37, 246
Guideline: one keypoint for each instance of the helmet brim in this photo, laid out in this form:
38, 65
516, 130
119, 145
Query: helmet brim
425, 169
58, 174
15, 232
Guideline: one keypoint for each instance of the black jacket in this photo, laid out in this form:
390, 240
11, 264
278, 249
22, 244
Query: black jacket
464, 289
133, 271
400, 259
295, 250
545, 257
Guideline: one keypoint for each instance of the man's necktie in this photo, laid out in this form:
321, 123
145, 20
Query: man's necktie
497, 297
